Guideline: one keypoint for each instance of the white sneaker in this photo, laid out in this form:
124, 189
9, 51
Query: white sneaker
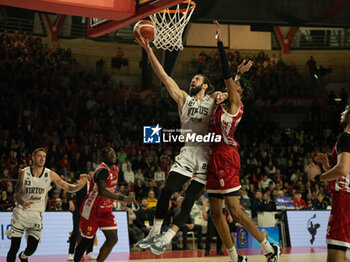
90, 256
70, 257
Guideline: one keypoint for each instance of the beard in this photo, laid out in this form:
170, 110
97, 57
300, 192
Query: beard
195, 91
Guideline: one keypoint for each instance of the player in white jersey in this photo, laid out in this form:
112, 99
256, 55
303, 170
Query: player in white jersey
31, 197
195, 111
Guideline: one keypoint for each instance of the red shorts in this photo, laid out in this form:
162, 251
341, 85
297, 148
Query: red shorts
338, 232
223, 170
102, 219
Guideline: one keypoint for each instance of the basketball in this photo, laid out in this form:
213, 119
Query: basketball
144, 28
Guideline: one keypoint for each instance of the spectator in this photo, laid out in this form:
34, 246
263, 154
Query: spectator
129, 175
140, 189
189, 226
139, 175
258, 204
131, 202
152, 201
5, 203
319, 203
244, 199
57, 205
299, 203
144, 218
159, 175
135, 234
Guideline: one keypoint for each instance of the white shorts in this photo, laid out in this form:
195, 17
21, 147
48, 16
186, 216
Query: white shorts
193, 162
29, 221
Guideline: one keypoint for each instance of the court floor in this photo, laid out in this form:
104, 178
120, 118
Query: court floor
301, 254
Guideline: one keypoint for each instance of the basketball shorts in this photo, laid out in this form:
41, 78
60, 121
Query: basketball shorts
338, 231
193, 162
99, 218
223, 170
22, 221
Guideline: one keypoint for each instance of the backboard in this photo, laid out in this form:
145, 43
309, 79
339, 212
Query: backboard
109, 15
143, 8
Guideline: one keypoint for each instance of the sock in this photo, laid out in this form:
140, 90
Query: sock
267, 247
169, 235
233, 254
157, 226
23, 255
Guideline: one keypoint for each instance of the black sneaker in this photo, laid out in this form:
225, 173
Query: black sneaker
241, 259
22, 259
275, 256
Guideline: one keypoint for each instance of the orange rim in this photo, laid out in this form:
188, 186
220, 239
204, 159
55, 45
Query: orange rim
183, 10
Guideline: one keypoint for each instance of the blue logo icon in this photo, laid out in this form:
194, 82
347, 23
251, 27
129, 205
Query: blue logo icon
151, 134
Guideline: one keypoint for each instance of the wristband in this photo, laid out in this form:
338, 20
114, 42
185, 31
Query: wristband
317, 178
239, 73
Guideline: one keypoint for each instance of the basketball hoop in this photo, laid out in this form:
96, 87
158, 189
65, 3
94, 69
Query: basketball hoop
169, 25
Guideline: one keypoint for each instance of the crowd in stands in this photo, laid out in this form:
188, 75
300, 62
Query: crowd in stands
48, 100
270, 76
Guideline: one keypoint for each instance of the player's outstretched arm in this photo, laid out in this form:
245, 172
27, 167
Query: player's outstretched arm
19, 192
231, 85
70, 188
101, 178
175, 92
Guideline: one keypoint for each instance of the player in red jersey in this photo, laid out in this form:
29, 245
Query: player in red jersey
224, 164
96, 210
338, 233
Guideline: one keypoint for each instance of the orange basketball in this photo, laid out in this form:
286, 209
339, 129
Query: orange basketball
144, 28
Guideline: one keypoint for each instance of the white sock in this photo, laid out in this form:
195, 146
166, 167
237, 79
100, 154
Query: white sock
267, 247
233, 254
157, 225
169, 235
23, 255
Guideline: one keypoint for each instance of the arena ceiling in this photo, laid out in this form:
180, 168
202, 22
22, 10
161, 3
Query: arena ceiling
325, 13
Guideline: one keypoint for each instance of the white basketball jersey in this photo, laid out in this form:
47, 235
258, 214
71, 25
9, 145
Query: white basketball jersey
196, 115
36, 188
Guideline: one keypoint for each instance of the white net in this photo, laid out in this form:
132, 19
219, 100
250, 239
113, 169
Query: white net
170, 24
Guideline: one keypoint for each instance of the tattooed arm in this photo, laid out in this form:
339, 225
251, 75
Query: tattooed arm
70, 188
19, 192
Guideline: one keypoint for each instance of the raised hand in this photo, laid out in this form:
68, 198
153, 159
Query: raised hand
244, 67
323, 159
221, 98
312, 170
218, 32
143, 42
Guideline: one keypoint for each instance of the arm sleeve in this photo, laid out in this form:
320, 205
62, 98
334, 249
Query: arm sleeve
343, 144
224, 62
101, 174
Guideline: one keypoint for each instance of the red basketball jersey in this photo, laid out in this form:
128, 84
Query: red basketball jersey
93, 200
225, 124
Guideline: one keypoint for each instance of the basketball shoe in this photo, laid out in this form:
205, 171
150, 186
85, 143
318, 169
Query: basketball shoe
159, 246
147, 241
241, 259
275, 256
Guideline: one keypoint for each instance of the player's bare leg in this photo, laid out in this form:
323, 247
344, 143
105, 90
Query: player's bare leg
223, 229
232, 202
336, 255
106, 248
272, 252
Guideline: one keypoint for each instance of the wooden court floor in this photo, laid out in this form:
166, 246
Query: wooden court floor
302, 254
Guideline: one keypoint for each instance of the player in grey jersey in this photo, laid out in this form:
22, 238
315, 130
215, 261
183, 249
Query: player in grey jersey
195, 111
31, 197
